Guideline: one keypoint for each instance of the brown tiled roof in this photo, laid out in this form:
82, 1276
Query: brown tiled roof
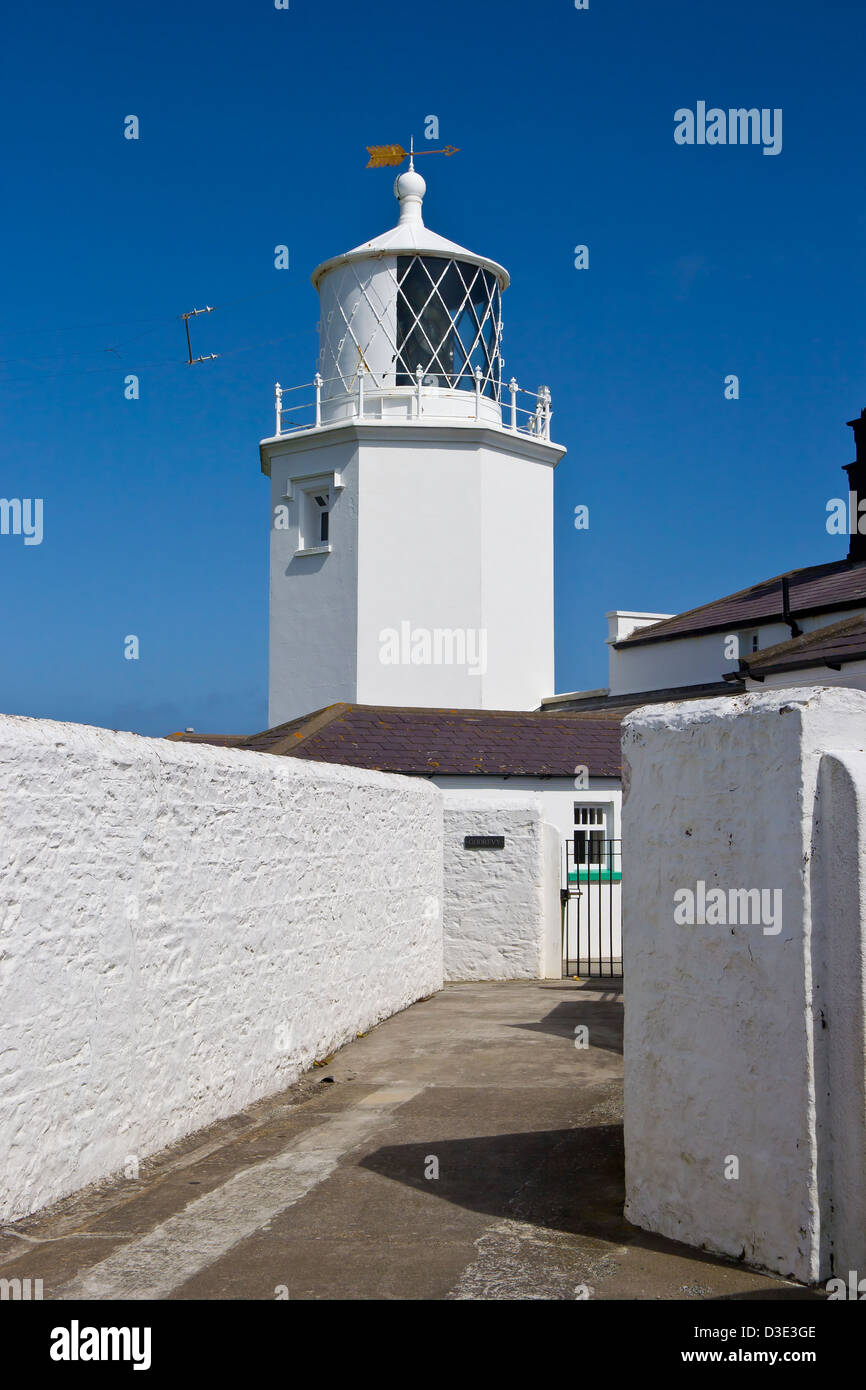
608, 706
831, 646
817, 589
429, 742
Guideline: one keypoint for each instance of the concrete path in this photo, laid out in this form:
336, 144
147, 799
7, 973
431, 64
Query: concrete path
330, 1190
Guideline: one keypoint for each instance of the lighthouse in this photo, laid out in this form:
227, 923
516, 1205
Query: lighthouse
411, 518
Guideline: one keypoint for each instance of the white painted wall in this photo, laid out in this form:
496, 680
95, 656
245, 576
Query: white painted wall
440, 526
185, 929
600, 909
313, 598
622, 622
456, 531
501, 909
734, 1036
696, 660
517, 577
838, 880
419, 562
557, 795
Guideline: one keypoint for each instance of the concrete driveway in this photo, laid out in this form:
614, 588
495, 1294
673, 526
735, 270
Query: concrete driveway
464, 1149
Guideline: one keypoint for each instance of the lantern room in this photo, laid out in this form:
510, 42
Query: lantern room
411, 322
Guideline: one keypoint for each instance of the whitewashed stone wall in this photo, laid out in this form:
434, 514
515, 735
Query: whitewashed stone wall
745, 1113
501, 907
184, 929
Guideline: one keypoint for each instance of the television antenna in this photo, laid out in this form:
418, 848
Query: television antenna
193, 313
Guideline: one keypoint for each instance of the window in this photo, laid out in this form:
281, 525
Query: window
593, 856
591, 837
448, 323
312, 497
314, 521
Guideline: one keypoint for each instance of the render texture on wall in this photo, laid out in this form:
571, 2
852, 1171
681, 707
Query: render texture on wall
183, 930
745, 1114
501, 906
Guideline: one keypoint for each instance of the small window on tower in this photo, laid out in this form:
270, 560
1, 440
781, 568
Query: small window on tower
324, 517
311, 499
314, 521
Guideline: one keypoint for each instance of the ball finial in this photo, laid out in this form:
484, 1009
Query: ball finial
409, 190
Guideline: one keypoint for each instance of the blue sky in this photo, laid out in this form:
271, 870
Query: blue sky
704, 261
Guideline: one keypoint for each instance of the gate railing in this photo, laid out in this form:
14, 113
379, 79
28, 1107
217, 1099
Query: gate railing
591, 914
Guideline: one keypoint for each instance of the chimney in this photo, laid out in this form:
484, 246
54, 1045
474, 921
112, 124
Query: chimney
857, 485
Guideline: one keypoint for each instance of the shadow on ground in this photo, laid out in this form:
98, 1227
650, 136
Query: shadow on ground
527, 1177
603, 1018
532, 1177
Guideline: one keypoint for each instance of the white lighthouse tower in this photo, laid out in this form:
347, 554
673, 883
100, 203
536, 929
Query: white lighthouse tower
412, 512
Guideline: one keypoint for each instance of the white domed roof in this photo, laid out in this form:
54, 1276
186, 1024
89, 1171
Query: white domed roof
410, 237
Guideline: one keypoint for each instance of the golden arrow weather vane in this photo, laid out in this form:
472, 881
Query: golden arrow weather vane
383, 155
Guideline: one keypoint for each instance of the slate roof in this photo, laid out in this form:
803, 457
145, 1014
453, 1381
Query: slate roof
816, 589
430, 742
830, 646
603, 705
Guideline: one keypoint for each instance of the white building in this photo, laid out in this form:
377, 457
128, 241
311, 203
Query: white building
412, 514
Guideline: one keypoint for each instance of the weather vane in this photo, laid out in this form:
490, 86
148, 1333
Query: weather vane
382, 155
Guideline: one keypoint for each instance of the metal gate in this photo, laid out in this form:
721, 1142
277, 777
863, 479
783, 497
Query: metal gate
591, 917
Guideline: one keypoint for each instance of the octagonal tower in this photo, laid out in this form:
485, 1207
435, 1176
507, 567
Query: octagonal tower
412, 502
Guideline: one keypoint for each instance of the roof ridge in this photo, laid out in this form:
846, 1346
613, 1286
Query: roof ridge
440, 711
806, 639
803, 573
298, 731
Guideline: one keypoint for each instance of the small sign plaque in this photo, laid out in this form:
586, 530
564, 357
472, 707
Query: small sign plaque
484, 842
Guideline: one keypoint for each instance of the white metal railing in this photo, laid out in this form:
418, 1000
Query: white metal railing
419, 402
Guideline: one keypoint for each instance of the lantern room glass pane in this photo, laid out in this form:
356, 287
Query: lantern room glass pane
448, 323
